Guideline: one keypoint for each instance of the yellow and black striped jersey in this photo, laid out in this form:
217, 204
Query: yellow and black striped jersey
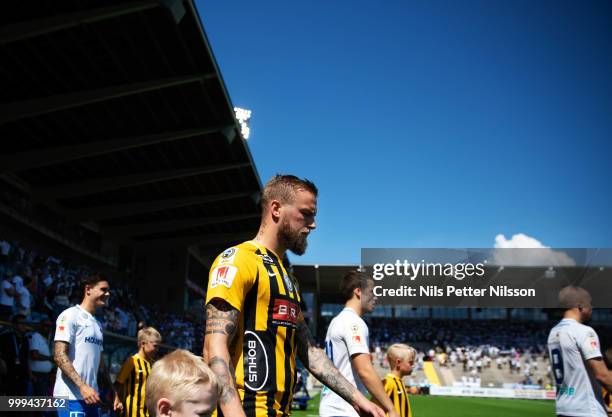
397, 392
607, 396
133, 377
254, 281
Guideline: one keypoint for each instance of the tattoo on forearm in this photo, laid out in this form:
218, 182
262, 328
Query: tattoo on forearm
317, 362
60, 355
225, 374
221, 318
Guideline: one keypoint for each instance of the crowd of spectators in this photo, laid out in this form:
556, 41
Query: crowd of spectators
36, 288
503, 335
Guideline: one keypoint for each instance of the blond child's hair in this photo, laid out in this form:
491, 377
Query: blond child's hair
399, 351
148, 334
178, 376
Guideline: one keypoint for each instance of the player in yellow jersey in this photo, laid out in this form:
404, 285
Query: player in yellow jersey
131, 383
401, 360
254, 324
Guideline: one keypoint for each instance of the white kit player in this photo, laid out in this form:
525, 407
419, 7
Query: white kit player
577, 364
78, 351
347, 343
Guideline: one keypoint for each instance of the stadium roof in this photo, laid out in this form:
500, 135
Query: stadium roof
115, 114
322, 279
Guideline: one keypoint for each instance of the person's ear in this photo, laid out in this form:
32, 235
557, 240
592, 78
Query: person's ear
357, 292
164, 408
275, 209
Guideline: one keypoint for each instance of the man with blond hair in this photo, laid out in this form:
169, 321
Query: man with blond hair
577, 364
253, 316
182, 385
131, 383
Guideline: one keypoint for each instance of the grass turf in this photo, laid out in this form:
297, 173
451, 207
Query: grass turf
428, 406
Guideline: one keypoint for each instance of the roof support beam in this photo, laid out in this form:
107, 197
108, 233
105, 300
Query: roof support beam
30, 29
99, 185
24, 161
131, 209
142, 229
19, 110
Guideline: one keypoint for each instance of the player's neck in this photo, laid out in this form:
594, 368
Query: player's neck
572, 314
141, 353
89, 306
355, 305
396, 373
268, 238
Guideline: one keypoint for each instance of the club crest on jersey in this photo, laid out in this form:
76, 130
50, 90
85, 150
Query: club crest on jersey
223, 275
288, 282
228, 255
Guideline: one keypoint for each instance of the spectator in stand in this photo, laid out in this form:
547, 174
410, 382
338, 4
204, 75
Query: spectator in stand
14, 351
41, 361
23, 297
5, 249
7, 298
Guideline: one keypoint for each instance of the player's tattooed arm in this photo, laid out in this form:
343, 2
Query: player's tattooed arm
221, 326
62, 360
225, 374
317, 362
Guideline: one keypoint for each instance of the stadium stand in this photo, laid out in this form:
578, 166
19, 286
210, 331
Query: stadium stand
121, 154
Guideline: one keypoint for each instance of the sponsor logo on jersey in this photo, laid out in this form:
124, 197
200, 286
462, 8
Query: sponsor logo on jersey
355, 328
592, 342
228, 255
256, 367
93, 340
223, 275
285, 313
357, 339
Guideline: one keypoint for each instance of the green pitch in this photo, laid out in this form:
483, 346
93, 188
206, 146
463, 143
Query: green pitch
426, 406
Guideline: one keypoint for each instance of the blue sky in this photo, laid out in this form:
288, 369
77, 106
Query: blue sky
429, 123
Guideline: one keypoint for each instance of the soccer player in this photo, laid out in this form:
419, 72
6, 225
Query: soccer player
181, 385
346, 344
131, 383
401, 359
253, 316
576, 360
78, 350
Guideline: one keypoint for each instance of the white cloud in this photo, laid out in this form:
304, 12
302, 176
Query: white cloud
520, 240
540, 255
